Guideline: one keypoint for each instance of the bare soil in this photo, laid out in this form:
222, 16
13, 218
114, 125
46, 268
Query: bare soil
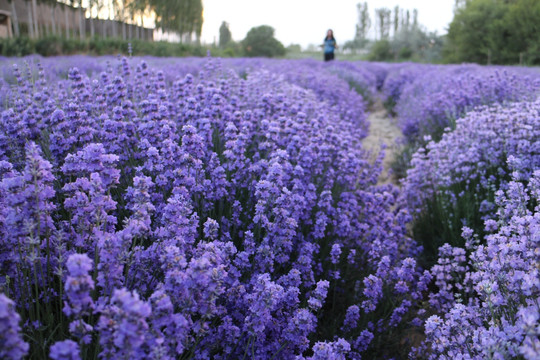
383, 129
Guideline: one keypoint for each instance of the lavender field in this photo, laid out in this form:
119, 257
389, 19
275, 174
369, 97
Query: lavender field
227, 209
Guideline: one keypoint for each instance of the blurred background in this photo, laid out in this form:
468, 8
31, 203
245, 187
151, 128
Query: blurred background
444, 31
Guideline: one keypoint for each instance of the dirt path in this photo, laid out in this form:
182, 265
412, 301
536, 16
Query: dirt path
382, 129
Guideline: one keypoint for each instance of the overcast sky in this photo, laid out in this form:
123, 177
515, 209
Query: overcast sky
306, 21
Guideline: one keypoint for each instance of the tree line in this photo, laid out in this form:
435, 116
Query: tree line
393, 34
482, 31
259, 41
495, 32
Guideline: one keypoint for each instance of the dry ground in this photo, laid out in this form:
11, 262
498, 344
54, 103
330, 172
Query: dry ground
382, 129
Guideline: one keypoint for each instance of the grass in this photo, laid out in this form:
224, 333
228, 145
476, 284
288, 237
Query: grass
447, 212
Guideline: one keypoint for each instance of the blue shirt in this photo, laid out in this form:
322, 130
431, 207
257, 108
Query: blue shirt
329, 45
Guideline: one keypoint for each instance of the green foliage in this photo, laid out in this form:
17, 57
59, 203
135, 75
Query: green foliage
402, 159
363, 25
496, 31
232, 49
294, 48
260, 41
384, 22
225, 36
405, 53
20, 46
51, 46
446, 213
411, 43
182, 16
381, 51
361, 89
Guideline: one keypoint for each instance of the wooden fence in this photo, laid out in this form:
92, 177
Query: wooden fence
63, 20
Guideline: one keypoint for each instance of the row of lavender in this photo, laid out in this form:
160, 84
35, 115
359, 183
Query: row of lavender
150, 213
475, 177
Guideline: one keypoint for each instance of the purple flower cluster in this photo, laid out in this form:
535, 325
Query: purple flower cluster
12, 346
65, 350
486, 291
79, 303
500, 318
225, 209
428, 99
153, 213
487, 145
397, 79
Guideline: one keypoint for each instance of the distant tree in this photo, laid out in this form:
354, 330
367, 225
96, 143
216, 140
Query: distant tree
458, 4
363, 25
384, 22
495, 31
411, 42
138, 8
225, 35
407, 20
78, 5
396, 20
260, 41
294, 48
181, 16
381, 51
362, 28
523, 20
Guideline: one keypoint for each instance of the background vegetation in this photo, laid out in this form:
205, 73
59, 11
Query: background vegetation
495, 31
482, 31
54, 45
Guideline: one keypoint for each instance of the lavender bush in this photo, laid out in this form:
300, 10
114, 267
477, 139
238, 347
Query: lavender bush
151, 215
432, 98
454, 181
499, 317
397, 79
428, 99
474, 196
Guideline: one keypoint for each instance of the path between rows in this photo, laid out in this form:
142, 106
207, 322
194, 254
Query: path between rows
383, 128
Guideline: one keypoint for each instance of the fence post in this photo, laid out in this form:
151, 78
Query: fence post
15, 19
489, 57
520, 58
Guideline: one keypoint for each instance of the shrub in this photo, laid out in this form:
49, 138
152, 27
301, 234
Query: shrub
260, 41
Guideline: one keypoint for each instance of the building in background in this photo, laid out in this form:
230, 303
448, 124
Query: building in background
5, 24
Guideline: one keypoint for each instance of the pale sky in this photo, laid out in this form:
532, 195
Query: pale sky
306, 21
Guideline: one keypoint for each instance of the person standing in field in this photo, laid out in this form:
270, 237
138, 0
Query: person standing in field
329, 45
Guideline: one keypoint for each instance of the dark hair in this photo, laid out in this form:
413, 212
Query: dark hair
326, 37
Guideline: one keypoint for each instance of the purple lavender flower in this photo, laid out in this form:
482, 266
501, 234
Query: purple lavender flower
215, 205
123, 327
65, 350
318, 296
500, 318
373, 292
12, 345
335, 253
78, 285
330, 351
211, 229
351, 318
